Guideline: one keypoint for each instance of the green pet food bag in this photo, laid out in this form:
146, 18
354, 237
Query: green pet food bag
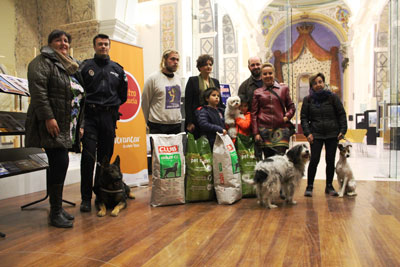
199, 180
247, 162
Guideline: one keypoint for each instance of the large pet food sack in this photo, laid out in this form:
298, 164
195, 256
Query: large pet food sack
227, 182
168, 170
247, 162
199, 179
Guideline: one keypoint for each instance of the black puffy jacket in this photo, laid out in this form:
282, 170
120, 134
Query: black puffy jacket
50, 89
325, 121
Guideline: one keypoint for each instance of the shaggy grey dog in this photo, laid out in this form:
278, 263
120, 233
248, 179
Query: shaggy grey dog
279, 172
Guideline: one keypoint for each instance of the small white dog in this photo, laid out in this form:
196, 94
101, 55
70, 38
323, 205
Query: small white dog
343, 172
232, 111
278, 172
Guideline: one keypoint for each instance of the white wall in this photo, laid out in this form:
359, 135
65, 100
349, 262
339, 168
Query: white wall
148, 26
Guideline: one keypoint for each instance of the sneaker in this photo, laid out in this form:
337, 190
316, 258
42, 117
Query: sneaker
330, 190
86, 206
308, 192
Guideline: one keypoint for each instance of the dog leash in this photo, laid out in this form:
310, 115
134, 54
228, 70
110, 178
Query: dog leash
94, 158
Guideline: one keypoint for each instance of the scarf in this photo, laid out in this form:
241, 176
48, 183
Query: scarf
320, 96
68, 63
202, 87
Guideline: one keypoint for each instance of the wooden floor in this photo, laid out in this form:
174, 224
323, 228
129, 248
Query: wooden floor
318, 231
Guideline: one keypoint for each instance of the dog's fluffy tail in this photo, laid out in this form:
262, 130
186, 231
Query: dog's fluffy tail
259, 178
248, 181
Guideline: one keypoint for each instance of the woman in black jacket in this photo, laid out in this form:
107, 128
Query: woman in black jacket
194, 92
53, 115
323, 120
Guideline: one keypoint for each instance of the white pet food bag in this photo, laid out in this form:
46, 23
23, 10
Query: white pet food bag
168, 170
226, 169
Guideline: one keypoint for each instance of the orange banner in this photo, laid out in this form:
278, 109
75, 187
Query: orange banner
130, 140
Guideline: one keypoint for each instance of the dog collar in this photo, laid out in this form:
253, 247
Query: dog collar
111, 191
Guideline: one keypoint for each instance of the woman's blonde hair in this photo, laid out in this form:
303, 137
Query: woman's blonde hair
165, 56
268, 65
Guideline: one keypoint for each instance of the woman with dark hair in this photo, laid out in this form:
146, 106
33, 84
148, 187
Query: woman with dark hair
194, 92
271, 109
53, 115
324, 122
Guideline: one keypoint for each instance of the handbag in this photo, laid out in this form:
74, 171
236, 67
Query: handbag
290, 125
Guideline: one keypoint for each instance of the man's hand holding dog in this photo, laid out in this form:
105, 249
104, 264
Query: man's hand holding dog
340, 136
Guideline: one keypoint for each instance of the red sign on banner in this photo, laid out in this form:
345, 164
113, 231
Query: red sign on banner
131, 107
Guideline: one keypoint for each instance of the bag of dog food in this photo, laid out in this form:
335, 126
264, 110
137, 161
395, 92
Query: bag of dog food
247, 162
227, 182
199, 181
168, 170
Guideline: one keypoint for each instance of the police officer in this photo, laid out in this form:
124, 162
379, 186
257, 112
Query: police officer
106, 89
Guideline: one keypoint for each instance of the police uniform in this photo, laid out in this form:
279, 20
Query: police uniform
106, 89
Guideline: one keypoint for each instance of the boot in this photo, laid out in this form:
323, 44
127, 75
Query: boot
308, 192
330, 190
56, 217
67, 215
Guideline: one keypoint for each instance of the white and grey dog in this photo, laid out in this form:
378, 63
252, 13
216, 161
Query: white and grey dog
280, 172
343, 172
232, 111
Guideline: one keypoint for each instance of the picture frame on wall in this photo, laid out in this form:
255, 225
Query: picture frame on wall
394, 116
372, 119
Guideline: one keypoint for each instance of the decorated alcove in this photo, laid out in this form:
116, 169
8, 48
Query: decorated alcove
314, 48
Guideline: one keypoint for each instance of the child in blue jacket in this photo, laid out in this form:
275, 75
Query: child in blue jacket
210, 117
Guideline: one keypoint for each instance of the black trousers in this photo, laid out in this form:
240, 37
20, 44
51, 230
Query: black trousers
58, 165
330, 154
98, 143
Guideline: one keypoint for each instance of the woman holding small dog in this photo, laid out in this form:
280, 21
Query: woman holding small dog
194, 92
272, 107
324, 122
53, 112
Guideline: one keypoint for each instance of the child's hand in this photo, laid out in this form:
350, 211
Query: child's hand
224, 132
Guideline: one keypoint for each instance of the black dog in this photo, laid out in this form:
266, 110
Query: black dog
111, 191
172, 169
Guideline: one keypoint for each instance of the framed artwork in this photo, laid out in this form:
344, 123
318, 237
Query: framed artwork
372, 119
394, 116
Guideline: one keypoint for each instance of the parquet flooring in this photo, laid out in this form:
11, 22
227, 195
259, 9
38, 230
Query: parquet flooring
318, 231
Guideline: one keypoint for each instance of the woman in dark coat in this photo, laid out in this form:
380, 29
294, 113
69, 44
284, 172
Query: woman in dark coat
324, 122
194, 92
271, 109
53, 112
